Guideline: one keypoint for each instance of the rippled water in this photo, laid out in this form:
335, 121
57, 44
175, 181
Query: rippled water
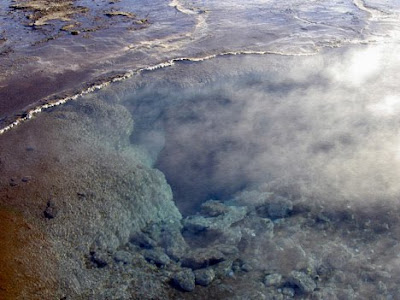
176, 30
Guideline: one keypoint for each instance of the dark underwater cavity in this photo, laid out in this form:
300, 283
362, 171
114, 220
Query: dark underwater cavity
185, 146
193, 135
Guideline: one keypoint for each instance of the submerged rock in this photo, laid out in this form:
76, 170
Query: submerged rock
123, 257
213, 208
273, 279
166, 235
288, 291
143, 240
224, 269
219, 223
157, 257
51, 210
201, 258
277, 208
304, 282
185, 280
204, 276
99, 259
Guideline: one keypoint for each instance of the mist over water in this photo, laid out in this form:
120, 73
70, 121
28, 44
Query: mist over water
324, 126
254, 146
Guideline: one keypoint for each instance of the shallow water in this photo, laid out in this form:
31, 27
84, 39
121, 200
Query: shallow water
284, 115
318, 131
112, 47
323, 124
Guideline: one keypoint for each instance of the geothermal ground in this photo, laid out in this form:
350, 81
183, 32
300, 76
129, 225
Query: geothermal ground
199, 150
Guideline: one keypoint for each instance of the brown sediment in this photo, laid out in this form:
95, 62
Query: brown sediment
113, 13
18, 93
27, 267
41, 12
30, 75
28, 264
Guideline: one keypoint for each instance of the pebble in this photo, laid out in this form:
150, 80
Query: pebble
213, 208
99, 260
185, 280
143, 241
201, 258
123, 257
157, 257
26, 178
51, 210
304, 282
204, 276
287, 291
223, 269
273, 280
247, 268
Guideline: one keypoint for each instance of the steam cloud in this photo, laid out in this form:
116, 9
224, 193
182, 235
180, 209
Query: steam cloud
325, 125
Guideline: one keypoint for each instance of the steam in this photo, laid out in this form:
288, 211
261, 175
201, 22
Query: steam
325, 126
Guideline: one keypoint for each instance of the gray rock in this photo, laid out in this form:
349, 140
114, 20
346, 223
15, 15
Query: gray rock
213, 208
143, 240
223, 269
231, 236
247, 267
273, 279
228, 250
301, 280
172, 241
220, 223
185, 280
198, 224
13, 182
123, 257
26, 179
204, 276
157, 257
105, 241
99, 259
202, 258
252, 198
237, 265
287, 291
280, 207
51, 210
255, 227
167, 235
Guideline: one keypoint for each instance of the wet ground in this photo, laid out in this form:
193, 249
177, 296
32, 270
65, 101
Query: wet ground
105, 39
233, 151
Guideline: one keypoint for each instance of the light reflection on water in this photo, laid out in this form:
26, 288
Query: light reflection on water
320, 132
321, 123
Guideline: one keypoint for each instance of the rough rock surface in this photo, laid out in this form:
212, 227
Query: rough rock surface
106, 226
273, 280
204, 276
185, 280
304, 282
104, 194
